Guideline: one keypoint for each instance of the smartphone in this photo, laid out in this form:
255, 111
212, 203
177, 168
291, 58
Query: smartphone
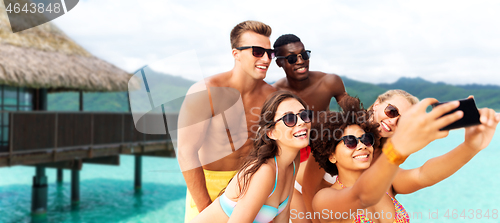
471, 114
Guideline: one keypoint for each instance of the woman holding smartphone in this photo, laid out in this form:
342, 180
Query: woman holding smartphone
386, 111
365, 176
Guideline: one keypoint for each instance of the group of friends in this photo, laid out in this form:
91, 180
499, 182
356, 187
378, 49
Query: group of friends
295, 160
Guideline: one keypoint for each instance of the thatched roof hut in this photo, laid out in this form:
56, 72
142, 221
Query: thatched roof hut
44, 57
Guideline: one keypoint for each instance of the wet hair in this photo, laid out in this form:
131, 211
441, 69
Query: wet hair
285, 39
327, 130
265, 148
396, 92
249, 25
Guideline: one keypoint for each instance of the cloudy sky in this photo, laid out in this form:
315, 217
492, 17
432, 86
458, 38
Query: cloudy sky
455, 42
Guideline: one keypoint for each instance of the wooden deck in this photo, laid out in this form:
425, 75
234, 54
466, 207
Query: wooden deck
60, 138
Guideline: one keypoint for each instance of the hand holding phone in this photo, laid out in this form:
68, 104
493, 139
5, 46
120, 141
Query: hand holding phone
471, 114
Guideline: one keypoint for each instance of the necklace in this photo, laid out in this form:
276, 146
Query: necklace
338, 181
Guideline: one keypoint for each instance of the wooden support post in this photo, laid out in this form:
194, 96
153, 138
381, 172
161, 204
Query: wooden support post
128, 104
80, 99
39, 192
75, 186
59, 175
43, 99
138, 172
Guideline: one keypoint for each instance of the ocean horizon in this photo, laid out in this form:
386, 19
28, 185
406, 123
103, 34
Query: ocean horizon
107, 192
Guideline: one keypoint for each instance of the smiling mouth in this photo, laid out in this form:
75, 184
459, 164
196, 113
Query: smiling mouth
300, 134
262, 67
361, 157
301, 69
385, 127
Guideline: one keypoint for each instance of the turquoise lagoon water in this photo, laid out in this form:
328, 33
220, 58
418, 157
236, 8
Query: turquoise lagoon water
107, 194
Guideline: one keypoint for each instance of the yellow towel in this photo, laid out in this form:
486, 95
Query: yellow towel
216, 181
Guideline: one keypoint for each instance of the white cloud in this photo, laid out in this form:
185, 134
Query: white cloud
184, 64
451, 41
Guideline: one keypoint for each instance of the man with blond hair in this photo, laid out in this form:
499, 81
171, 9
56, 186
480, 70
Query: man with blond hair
216, 118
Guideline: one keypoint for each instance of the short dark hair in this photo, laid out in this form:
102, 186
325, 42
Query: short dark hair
285, 39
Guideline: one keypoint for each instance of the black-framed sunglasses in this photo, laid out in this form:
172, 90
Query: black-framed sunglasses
292, 59
352, 141
258, 51
290, 119
391, 111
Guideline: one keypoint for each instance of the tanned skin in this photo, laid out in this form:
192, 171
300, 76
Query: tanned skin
247, 78
316, 89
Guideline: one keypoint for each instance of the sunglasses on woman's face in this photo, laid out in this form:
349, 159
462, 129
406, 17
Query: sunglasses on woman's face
291, 119
292, 59
258, 51
391, 111
352, 141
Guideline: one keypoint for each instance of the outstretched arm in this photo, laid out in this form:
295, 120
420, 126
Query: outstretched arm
415, 131
437, 169
379, 177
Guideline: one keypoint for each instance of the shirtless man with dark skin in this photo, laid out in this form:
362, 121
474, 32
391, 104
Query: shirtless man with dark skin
314, 87
211, 151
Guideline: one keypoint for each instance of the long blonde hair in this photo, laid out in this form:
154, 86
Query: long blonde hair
391, 93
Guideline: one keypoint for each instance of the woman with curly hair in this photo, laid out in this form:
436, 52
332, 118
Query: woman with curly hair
262, 189
366, 175
385, 111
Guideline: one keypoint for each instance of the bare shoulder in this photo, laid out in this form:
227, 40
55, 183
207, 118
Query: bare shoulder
218, 80
330, 83
325, 191
197, 94
267, 89
280, 84
267, 169
329, 79
323, 196
264, 176
212, 81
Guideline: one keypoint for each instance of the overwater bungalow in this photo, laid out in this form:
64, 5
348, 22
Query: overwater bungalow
40, 60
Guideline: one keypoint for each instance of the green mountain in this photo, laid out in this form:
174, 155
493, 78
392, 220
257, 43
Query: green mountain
366, 92
485, 96
161, 84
